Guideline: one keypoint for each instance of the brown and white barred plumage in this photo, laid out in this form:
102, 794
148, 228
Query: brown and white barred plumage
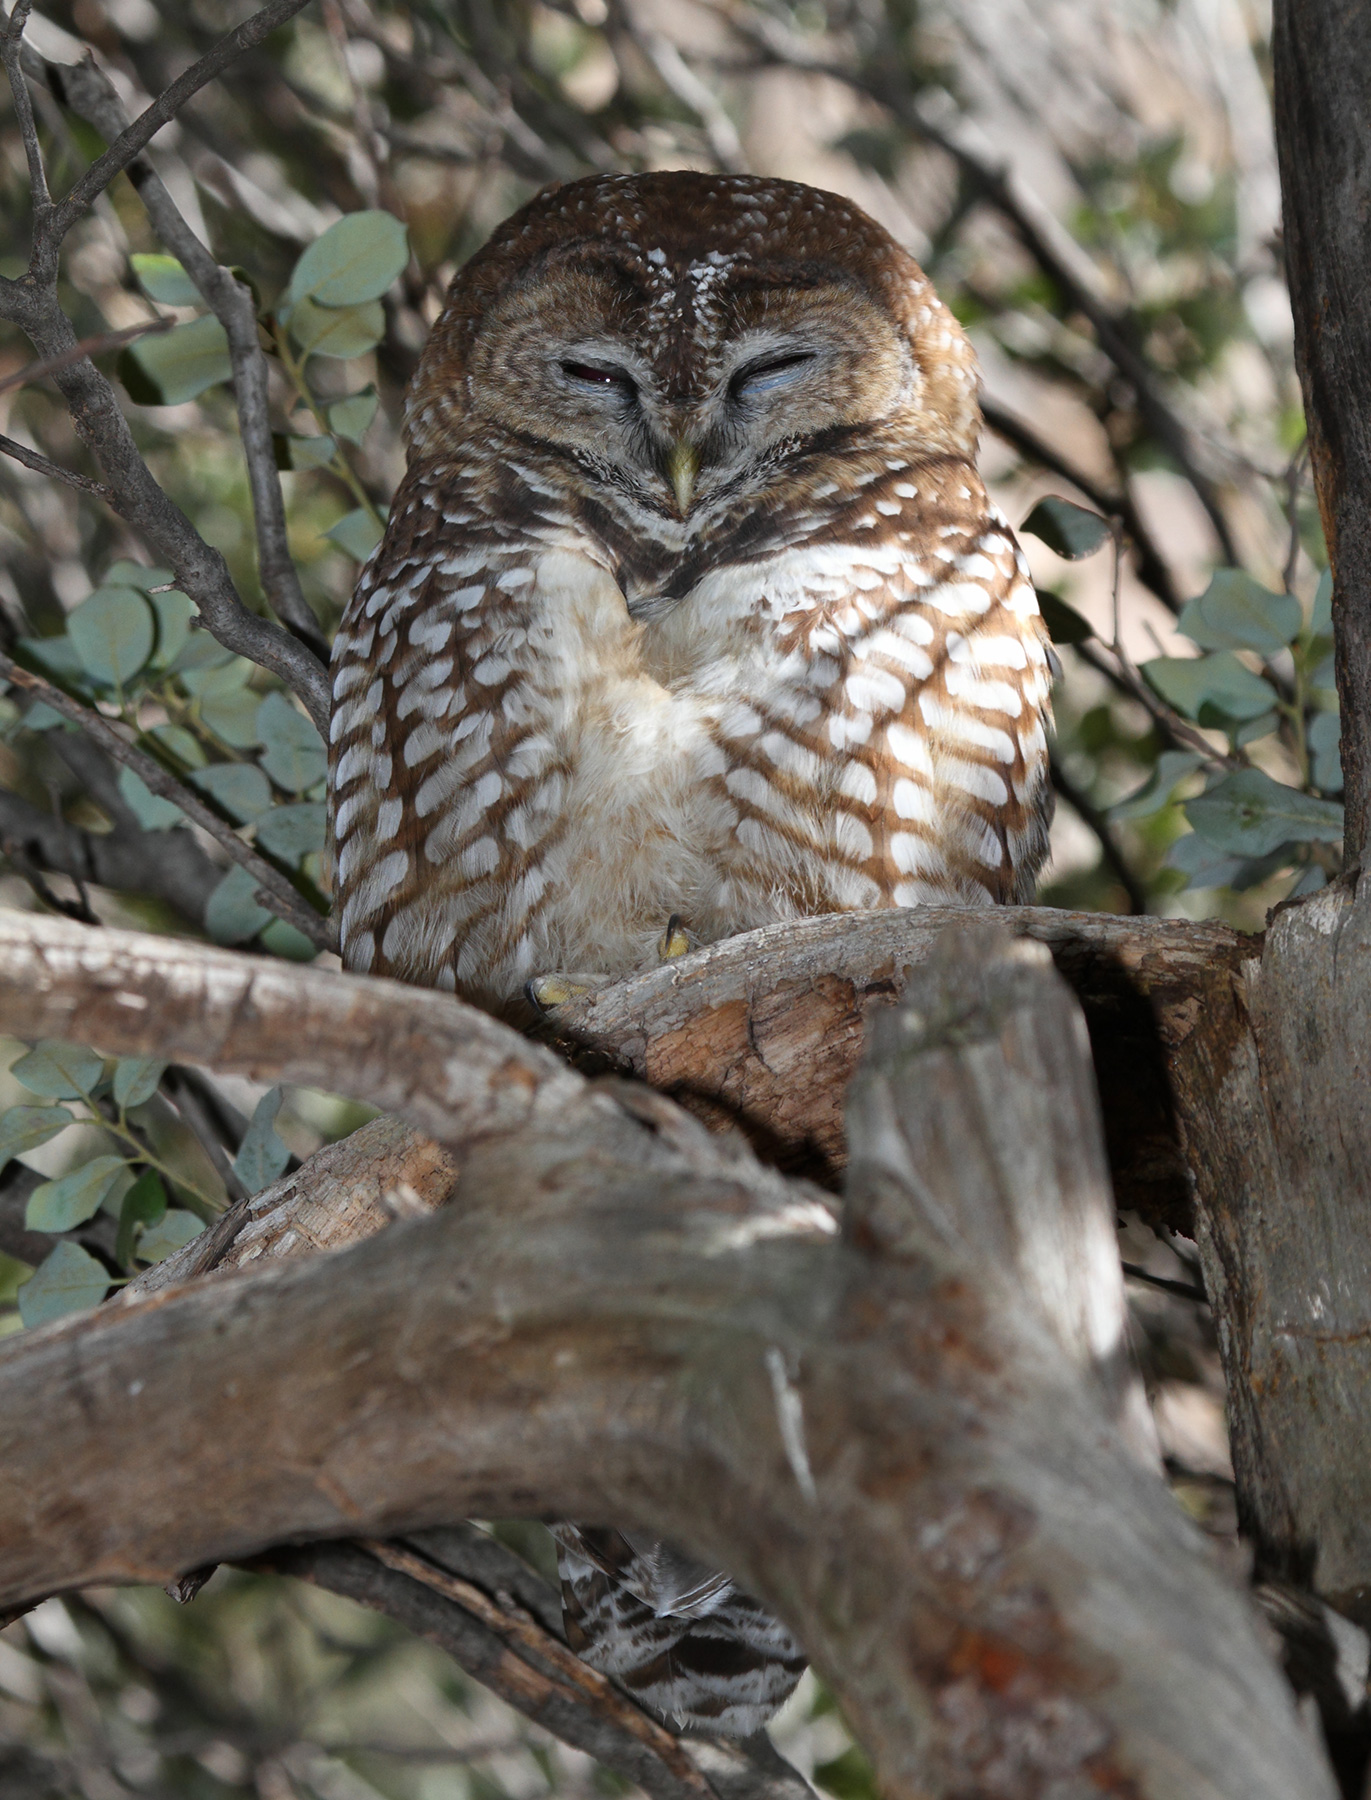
574, 695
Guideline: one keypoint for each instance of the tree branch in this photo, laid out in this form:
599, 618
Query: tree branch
88, 92
130, 142
901, 1438
273, 890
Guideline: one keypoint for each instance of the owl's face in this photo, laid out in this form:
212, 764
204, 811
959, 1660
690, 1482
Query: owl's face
570, 356
674, 348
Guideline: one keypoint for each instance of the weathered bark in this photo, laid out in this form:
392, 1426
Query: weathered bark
1321, 51
901, 1437
1276, 1102
767, 1028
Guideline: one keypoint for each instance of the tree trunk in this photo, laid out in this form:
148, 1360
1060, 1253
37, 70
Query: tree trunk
1321, 50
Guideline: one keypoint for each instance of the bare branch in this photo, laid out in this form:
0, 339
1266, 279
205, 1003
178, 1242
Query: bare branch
41, 465
13, 39
273, 890
150, 121
91, 346
1152, 568
90, 95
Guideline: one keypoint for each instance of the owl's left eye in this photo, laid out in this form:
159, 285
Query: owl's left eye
758, 377
594, 375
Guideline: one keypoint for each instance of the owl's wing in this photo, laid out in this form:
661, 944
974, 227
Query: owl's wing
442, 787
680, 1637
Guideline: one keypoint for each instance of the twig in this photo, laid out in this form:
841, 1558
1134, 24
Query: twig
274, 891
1090, 815
23, 111
1055, 253
40, 465
525, 1635
685, 85
162, 110
91, 346
1152, 570
88, 92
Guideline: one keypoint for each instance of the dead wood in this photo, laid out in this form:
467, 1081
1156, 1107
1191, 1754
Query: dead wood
904, 1437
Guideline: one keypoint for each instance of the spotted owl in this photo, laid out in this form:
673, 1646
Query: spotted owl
692, 615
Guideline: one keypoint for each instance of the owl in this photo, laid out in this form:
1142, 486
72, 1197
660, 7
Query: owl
691, 615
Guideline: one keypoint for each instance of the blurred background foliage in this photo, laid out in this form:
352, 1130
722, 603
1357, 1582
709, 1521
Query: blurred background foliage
1091, 185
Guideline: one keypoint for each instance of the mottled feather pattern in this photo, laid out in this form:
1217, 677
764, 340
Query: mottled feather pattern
692, 603
680, 1637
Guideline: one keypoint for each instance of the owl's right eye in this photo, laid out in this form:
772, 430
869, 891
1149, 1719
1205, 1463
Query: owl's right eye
594, 375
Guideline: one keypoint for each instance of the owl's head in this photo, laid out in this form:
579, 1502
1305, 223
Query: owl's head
684, 338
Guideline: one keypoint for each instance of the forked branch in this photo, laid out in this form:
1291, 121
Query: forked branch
907, 1437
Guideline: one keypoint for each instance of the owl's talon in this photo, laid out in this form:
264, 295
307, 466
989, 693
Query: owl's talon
675, 940
547, 992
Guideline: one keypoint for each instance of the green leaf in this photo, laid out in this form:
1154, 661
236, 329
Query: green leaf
337, 330
1064, 624
58, 1205
1171, 769
55, 654
1236, 613
173, 1233
291, 832
1212, 689
219, 677
231, 714
68, 1281
232, 916
1249, 814
59, 1071
38, 716
135, 575
163, 279
181, 745
176, 365
356, 532
356, 259
1321, 621
136, 1079
1325, 750
350, 418
114, 632
202, 652
144, 1204
849, 1776
261, 1156
282, 939
1072, 531
152, 812
240, 788
26, 1127
294, 755
303, 452
1202, 865
174, 613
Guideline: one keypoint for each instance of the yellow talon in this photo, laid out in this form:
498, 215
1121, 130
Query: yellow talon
548, 991
674, 941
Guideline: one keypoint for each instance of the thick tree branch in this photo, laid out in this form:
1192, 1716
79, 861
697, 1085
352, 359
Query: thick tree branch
1321, 51
902, 1438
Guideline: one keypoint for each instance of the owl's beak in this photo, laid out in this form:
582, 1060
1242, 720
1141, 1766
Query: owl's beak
683, 465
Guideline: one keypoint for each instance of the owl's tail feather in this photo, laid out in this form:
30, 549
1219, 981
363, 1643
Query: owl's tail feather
678, 1636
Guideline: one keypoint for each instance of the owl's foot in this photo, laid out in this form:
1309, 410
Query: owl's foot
675, 940
547, 992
